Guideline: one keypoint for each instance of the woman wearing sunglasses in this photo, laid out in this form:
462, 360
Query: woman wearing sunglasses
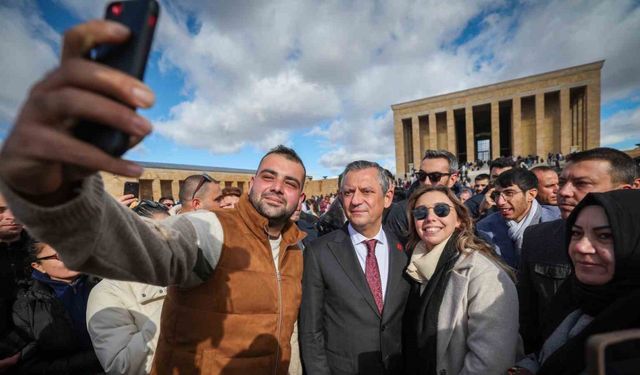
462, 313
51, 316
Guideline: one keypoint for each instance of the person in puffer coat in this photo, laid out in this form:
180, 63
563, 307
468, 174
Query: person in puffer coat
51, 314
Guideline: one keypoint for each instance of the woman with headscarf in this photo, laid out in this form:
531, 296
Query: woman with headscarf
462, 312
603, 294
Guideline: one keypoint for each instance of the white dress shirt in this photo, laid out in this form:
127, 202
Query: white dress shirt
382, 254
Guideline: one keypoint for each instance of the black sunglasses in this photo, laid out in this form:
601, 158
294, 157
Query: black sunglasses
440, 209
433, 176
203, 179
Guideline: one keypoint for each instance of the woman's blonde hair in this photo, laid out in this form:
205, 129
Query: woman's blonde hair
467, 241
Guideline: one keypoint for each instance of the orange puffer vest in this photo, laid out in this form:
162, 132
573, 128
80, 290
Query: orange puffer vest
240, 320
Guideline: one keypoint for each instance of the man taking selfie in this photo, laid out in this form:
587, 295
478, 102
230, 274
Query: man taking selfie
234, 276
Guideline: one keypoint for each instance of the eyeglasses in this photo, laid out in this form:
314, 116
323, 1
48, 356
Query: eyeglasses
54, 256
433, 176
203, 179
506, 194
440, 209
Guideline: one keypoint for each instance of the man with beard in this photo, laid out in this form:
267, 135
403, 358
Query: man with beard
234, 276
545, 264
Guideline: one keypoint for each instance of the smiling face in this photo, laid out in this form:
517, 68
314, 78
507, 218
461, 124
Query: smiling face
513, 203
591, 247
276, 189
434, 229
364, 201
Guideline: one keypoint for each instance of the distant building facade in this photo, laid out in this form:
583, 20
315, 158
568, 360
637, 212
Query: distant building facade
164, 180
552, 112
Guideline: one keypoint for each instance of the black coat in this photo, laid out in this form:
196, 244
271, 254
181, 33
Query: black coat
14, 275
53, 347
341, 329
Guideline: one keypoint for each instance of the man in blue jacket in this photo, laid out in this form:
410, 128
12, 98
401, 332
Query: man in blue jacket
515, 196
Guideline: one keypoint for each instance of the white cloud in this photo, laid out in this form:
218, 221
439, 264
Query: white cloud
623, 126
263, 114
258, 72
27, 44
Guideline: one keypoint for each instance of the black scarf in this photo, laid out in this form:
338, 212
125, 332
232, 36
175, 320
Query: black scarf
614, 305
421, 315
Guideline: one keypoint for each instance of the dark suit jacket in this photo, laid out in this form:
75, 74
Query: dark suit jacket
341, 330
544, 265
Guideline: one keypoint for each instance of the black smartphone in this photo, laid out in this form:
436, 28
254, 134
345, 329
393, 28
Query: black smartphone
141, 17
132, 188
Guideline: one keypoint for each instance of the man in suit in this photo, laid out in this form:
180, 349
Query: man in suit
544, 263
354, 291
515, 197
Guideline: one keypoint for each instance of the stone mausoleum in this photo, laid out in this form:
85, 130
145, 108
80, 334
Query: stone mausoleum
558, 111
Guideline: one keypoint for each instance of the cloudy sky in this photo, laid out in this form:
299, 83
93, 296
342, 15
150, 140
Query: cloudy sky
234, 78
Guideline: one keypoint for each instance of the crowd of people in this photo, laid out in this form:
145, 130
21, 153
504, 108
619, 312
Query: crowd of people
509, 275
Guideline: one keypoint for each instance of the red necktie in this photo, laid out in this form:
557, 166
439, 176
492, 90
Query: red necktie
372, 273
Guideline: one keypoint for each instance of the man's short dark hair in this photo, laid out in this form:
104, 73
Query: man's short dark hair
189, 185
443, 154
521, 177
482, 176
503, 162
289, 154
164, 198
622, 168
542, 168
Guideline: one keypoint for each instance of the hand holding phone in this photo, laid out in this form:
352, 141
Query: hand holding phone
41, 159
140, 16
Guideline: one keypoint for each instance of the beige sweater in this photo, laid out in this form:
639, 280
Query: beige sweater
95, 234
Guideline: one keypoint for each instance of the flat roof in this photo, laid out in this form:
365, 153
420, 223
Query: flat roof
189, 167
596, 65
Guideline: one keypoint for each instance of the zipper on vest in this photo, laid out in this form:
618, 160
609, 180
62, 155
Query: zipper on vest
279, 327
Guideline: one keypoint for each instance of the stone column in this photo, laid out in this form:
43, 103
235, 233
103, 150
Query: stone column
451, 132
398, 133
542, 139
417, 151
516, 126
471, 147
495, 130
565, 121
175, 189
433, 131
592, 125
156, 189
